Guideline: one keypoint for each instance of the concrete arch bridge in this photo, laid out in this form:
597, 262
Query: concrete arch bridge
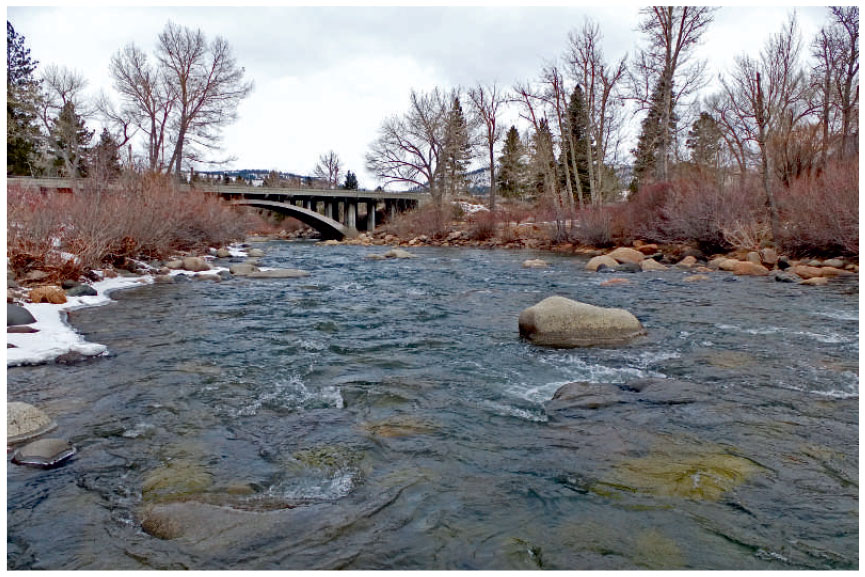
335, 214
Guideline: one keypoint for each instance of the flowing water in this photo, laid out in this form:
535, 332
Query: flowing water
385, 415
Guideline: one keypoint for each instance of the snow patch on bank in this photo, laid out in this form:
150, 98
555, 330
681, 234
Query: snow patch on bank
55, 336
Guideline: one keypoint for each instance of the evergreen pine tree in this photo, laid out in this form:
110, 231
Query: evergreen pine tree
647, 155
542, 159
510, 175
70, 140
704, 142
350, 181
456, 150
105, 158
576, 125
22, 96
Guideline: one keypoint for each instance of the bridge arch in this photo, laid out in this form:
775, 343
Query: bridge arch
327, 227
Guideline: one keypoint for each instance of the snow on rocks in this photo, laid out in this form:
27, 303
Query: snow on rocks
55, 336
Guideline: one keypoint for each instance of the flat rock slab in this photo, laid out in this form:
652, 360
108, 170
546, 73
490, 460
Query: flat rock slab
24, 422
21, 329
278, 273
242, 268
44, 453
560, 322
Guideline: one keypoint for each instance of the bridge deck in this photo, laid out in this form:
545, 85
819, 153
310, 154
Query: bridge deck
245, 191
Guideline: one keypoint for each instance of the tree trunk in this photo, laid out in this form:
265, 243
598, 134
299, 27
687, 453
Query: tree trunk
492, 177
762, 122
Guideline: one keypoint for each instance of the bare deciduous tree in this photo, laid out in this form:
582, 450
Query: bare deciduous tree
768, 96
408, 149
486, 101
148, 100
183, 102
328, 169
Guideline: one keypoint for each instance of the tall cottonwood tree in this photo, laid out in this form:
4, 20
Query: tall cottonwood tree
410, 148
486, 101
663, 73
183, 101
600, 82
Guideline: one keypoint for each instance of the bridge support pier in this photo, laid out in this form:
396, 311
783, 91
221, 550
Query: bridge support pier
351, 214
328, 208
370, 216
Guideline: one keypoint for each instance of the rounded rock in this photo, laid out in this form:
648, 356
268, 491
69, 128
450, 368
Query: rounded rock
599, 261
195, 264
24, 422
624, 254
561, 322
18, 315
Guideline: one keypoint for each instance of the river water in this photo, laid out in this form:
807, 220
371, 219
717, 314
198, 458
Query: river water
386, 415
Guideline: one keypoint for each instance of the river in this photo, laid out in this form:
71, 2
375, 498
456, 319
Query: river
386, 415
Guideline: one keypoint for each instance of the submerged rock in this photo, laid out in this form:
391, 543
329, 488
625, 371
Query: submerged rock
44, 453
255, 252
24, 421
278, 273
18, 315
581, 396
702, 473
399, 253
560, 322
175, 480
815, 281
535, 263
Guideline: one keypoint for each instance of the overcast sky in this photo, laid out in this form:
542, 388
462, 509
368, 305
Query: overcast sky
326, 77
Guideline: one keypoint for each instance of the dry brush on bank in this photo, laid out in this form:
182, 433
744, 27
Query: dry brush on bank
148, 218
819, 215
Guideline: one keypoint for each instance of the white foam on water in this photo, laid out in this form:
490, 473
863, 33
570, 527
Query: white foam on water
838, 316
511, 411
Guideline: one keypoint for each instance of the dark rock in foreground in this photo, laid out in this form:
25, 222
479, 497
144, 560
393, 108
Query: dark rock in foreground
18, 315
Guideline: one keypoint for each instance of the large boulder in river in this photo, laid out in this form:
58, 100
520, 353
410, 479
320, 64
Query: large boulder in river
625, 254
560, 322
24, 421
399, 253
597, 261
18, 315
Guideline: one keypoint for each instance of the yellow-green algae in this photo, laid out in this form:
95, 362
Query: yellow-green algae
697, 471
